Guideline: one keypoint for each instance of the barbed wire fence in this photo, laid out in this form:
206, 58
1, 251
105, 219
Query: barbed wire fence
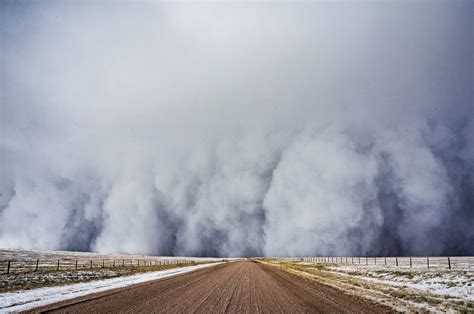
44, 265
426, 262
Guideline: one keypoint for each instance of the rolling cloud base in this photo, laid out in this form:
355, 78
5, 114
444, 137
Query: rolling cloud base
238, 129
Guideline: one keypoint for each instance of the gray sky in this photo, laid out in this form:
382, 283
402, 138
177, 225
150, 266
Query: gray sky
243, 128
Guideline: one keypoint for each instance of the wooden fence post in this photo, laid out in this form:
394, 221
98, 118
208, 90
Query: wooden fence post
366, 260
449, 263
8, 267
103, 263
58, 266
91, 264
385, 258
37, 264
375, 260
123, 262
410, 261
396, 261
76, 264
114, 264
428, 262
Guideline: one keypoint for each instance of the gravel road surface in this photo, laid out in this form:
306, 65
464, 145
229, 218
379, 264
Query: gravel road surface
235, 287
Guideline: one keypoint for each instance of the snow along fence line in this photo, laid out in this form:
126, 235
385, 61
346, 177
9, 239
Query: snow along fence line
428, 262
30, 299
35, 265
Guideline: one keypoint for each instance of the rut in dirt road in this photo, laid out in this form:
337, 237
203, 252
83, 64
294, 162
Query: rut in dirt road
237, 287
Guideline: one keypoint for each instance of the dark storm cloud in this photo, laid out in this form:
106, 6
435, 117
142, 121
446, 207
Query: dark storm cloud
237, 128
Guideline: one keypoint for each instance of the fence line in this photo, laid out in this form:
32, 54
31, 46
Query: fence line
36, 265
428, 262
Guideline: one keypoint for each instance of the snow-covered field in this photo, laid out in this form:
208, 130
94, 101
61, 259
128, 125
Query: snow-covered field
403, 288
45, 255
21, 261
431, 262
454, 284
28, 299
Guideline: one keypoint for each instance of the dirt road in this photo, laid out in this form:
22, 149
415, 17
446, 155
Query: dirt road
237, 287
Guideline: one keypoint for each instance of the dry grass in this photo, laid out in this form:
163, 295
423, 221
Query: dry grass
398, 297
31, 280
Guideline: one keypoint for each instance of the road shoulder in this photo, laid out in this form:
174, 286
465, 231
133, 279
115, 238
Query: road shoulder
397, 297
36, 298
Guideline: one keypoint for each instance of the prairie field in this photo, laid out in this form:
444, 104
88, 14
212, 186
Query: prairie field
402, 287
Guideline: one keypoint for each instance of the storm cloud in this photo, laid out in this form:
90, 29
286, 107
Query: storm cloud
238, 129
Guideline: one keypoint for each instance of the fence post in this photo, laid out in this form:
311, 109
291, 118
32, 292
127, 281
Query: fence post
428, 262
359, 260
114, 264
103, 263
396, 261
385, 258
449, 263
8, 267
91, 264
375, 260
58, 266
76, 264
123, 262
410, 261
37, 264
366, 260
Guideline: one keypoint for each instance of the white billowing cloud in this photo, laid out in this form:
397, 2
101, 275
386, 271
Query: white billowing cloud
237, 129
320, 190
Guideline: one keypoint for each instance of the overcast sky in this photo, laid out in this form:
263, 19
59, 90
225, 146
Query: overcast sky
237, 128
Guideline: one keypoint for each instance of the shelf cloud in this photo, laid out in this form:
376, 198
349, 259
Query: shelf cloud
237, 129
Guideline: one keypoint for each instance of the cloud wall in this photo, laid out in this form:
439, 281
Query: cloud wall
237, 129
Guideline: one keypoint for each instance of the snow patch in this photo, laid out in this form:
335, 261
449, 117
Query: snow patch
29, 299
